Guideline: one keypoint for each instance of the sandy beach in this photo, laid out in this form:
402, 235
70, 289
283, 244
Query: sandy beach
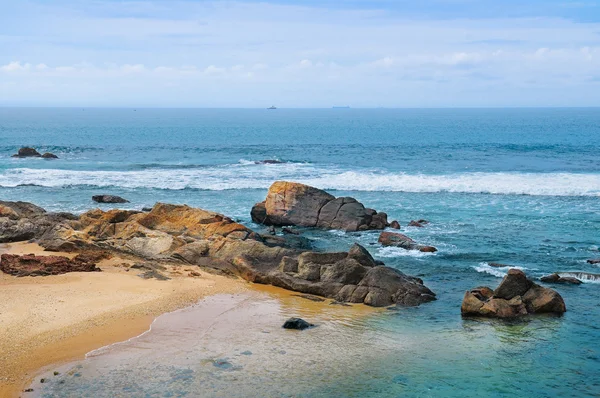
54, 319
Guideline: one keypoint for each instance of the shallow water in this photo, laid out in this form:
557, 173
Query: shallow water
519, 187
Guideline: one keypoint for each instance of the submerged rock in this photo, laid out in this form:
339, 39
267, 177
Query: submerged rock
594, 261
297, 324
556, 278
515, 296
290, 203
418, 223
32, 265
400, 240
109, 199
27, 152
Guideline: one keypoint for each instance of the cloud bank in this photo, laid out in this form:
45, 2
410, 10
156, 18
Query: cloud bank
250, 54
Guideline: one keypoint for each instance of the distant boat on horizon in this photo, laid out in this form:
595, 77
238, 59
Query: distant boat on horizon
272, 107
342, 107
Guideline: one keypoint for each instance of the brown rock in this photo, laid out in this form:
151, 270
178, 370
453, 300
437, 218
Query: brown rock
395, 224
49, 155
32, 265
540, 299
515, 283
362, 255
471, 304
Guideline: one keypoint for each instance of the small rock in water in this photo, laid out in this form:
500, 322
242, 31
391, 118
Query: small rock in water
297, 323
272, 230
418, 223
290, 231
49, 155
109, 199
594, 261
556, 278
395, 225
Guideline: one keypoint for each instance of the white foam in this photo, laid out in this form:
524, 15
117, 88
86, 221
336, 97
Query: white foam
250, 176
389, 252
499, 272
585, 277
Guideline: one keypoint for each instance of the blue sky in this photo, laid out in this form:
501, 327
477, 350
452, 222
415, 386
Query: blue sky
437, 53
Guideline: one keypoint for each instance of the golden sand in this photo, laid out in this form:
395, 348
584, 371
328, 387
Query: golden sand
54, 319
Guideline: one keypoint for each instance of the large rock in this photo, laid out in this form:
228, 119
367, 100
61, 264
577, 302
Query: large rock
290, 203
27, 152
109, 199
400, 240
515, 296
32, 265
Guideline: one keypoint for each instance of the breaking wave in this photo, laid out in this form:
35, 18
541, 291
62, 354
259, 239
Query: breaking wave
499, 272
261, 176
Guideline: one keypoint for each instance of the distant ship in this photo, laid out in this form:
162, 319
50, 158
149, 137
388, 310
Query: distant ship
341, 107
272, 107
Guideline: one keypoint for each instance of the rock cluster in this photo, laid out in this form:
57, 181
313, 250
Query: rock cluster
27, 152
291, 203
32, 265
515, 296
21, 221
215, 242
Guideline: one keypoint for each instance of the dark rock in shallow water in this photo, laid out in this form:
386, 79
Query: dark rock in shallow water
403, 241
109, 199
556, 278
515, 296
290, 203
418, 223
49, 155
594, 261
395, 225
297, 323
27, 152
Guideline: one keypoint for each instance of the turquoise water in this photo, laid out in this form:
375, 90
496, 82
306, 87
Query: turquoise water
517, 186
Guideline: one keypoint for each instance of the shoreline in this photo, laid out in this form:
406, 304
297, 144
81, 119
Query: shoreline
59, 319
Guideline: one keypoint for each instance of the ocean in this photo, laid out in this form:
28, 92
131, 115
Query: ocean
515, 186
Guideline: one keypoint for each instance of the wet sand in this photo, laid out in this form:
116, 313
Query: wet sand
56, 319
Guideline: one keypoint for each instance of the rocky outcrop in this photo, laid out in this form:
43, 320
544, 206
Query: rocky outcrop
515, 296
403, 241
216, 243
291, 203
32, 265
556, 278
109, 199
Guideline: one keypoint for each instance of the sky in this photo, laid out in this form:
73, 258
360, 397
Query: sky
377, 53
